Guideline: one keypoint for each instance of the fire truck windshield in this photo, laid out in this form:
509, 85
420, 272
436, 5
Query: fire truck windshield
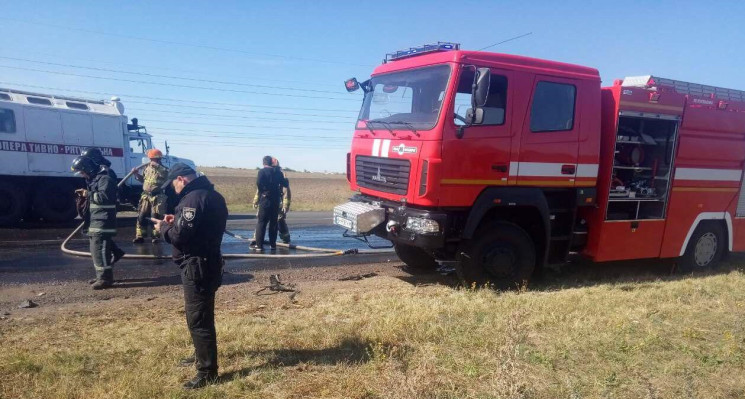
411, 99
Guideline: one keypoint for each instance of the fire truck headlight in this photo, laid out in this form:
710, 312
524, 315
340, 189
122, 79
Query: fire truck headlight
422, 225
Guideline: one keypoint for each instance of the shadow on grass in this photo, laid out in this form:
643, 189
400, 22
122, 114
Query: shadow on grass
628, 274
227, 279
349, 351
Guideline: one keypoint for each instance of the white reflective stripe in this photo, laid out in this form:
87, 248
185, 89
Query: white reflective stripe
376, 148
96, 206
384, 150
587, 170
709, 216
543, 169
708, 174
513, 168
97, 197
100, 230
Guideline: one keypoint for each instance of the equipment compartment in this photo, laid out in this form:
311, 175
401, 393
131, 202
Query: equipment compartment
642, 166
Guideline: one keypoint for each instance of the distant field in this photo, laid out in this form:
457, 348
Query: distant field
310, 191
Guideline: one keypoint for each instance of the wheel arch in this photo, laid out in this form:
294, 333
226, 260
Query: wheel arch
525, 207
722, 217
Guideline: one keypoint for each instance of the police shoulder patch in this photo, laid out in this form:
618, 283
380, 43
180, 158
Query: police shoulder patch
188, 213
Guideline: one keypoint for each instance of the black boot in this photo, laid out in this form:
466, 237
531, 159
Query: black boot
201, 380
102, 284
187, 361
116, 255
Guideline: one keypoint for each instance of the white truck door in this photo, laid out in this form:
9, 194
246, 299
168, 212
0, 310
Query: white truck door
44, 136
108, 136
13, 148
78, 131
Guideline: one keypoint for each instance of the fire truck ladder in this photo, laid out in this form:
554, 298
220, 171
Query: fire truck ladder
568, 236
686, 88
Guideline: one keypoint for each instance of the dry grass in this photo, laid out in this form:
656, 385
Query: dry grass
310, 191
384, 338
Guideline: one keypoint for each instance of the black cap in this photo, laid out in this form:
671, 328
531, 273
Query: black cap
178, 169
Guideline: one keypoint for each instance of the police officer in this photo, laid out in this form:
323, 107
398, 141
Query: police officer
153, 200
101, 194
285, 198
97, 157
196, 231
269, 184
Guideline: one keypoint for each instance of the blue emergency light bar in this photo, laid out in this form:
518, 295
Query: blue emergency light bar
427, 48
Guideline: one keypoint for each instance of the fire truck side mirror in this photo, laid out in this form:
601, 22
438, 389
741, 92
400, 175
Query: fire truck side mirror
480, 88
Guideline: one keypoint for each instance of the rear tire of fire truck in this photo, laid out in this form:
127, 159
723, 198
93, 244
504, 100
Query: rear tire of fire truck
54, 201
705, 248
501, 255
13, 204
415, 258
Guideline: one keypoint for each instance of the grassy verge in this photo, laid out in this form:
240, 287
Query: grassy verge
310, 191
384, 338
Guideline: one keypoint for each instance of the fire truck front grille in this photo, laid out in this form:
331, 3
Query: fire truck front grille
383, 174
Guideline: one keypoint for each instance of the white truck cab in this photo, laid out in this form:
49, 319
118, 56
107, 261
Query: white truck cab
41, 134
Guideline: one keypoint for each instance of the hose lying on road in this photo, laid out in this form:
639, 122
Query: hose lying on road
315, 252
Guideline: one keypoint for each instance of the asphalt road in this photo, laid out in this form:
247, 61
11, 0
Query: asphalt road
30, 253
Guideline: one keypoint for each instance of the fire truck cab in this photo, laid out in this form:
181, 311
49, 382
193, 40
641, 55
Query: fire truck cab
500, 164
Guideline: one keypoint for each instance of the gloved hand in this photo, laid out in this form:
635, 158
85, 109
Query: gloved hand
256, 205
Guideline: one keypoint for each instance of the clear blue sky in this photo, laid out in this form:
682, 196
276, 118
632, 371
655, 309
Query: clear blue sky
285, 44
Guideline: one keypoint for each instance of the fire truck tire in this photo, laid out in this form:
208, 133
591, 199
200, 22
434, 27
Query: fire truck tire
54, 201
705, 248
501, 255
415, 258
13, 204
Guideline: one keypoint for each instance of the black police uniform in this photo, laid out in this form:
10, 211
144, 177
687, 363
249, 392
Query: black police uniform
196, 236
102, 192
269, 182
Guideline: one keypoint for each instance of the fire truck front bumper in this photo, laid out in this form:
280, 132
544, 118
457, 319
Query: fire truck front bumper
405, 225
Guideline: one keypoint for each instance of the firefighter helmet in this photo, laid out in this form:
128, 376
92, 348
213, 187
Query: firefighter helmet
96, 156
154, 154
275, 162
85, 165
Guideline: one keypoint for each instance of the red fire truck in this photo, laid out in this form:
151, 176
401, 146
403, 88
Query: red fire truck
501, 164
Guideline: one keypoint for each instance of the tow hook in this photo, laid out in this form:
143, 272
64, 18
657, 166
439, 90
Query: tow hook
393, 227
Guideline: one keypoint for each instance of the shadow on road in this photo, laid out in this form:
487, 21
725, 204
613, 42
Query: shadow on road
627, 275
162, 281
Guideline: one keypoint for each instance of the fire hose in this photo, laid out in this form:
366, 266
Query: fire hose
316, 252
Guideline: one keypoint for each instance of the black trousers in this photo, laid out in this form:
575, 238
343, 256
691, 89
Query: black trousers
268, 214
199, 304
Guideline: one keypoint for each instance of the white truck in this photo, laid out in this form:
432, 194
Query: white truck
41, 134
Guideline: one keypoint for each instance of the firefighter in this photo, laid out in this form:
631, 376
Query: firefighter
196, 231
101, 194
285, 198
153, 199
97, 157
269, 185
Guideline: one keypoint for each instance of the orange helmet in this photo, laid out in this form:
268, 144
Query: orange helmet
154, 154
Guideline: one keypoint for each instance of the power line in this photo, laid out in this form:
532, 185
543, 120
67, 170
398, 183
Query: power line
241, 110
168, 129
505, 41
243, 117
243, 126
153, 75
244, 145
190, 71
170, 42
165, 98
175, 85
240, 135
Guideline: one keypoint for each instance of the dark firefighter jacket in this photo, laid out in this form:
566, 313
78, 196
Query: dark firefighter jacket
270, 182
102, 192
200, 219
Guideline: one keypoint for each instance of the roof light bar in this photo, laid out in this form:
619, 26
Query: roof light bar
427, 48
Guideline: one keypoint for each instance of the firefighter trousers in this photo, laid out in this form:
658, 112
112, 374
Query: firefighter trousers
102, 246
268, 214
150, 206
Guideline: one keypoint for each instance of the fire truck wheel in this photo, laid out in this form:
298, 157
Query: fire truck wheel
13, 203
415, 258
705, 248
501, 255
55, 201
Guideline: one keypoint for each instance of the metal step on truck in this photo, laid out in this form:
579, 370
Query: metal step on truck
500, 164
41, 134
